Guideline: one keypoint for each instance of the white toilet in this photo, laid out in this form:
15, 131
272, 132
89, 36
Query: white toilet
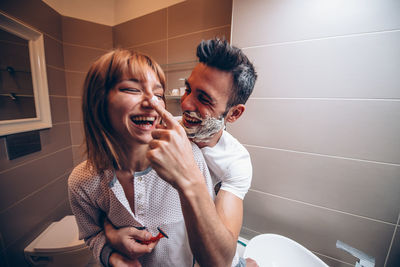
59, 246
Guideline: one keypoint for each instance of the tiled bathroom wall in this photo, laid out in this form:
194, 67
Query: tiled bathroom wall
323, 124
33, 188
169, 35
84, 42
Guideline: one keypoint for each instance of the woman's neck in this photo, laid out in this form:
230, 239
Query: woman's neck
136, 158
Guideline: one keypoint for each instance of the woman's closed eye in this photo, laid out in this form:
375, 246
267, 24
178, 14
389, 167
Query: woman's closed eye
130, 90
161, 96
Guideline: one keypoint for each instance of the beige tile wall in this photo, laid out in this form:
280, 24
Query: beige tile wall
322, 125
83, 43
172, 34
33, 190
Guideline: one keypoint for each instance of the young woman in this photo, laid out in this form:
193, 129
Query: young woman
116, 181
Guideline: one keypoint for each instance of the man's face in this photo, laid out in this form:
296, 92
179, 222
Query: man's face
204, 102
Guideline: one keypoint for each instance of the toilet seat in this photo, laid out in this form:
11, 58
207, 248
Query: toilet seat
60, 236
59, 246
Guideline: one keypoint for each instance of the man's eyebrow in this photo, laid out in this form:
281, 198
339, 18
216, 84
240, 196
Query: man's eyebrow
187, 84
207, 96
201, 92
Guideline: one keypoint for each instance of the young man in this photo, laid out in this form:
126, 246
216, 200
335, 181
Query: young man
216, 92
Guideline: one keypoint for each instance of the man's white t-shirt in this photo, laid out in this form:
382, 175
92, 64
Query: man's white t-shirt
229, 163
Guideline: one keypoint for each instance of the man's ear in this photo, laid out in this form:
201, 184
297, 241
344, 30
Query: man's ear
235, 112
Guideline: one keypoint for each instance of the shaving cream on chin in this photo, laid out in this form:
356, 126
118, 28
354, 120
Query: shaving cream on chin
206, 130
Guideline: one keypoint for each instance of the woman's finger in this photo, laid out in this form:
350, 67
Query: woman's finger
138, 234
167, 117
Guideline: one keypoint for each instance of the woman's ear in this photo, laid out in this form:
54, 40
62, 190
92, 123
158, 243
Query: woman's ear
235, 112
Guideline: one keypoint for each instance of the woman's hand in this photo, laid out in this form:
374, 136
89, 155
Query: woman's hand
126, 240
170, 152
117, 260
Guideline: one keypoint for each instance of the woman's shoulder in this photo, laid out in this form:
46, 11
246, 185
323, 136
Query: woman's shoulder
198, 155
84, 175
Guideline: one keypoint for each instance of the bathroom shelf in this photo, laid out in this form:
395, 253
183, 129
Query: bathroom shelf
178, 97
176, 73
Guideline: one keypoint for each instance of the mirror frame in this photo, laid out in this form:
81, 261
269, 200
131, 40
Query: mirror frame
39, 79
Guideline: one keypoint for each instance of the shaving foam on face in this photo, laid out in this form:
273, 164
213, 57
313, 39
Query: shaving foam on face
154, 100
206, 130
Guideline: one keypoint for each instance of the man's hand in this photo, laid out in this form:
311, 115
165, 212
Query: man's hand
170, 152
126, 240
117, 260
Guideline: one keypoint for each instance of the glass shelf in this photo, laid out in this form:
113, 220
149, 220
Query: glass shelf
176, 73
173, 97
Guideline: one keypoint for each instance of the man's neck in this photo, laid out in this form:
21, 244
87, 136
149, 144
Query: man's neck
212, 142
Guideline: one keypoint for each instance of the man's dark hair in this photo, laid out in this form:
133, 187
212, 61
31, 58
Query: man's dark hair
220, 54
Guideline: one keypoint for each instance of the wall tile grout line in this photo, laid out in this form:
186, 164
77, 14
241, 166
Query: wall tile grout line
143, 44
88, 47
37, 190
58, 96
55, 67
72, 44
61, 123
74, 97
75, 71
52, 37
35, 159
322, 38
28, 25
200, 31
175, 37
322, 207
57, 207
391, 242
323, 155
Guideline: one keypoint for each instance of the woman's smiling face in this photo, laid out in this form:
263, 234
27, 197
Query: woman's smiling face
129, 111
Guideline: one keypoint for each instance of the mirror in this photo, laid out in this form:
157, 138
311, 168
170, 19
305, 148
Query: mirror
24, 97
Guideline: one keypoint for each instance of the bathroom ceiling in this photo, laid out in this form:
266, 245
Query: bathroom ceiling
108, 12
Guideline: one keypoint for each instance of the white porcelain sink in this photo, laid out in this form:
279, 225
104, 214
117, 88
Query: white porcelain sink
270, 250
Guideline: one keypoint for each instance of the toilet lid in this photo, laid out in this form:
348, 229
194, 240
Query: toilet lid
60, 236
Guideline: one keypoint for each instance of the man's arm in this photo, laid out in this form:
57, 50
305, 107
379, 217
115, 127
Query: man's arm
212, 228
230, 210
